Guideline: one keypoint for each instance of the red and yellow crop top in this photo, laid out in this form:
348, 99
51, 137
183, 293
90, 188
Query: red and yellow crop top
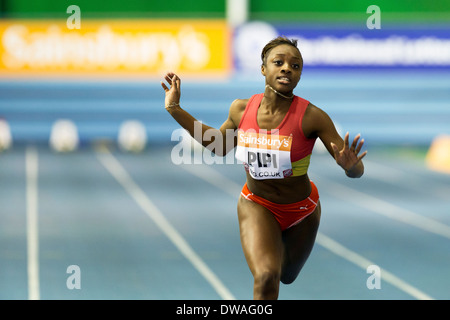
274, 154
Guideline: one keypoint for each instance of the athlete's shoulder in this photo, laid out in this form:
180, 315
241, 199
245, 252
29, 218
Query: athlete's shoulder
313, 111
237, 110
239, 104
314, 119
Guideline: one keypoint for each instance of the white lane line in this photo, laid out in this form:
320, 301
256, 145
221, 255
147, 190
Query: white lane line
362, 262
385, 208
32, 223
122, 176
215, 178
386, 174
381, 172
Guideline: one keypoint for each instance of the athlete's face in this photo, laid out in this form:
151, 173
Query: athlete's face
283, 68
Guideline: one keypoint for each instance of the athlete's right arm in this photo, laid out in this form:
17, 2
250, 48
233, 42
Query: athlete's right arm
220, 141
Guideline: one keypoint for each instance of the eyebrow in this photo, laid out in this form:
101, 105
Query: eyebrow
282, 54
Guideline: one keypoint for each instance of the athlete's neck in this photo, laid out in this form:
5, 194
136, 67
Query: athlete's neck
279, 93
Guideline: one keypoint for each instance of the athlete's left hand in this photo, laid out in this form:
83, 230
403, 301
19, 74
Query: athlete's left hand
348, 157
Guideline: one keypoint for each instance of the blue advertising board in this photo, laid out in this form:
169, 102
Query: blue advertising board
348, 46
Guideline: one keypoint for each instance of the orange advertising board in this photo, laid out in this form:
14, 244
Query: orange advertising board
114, 47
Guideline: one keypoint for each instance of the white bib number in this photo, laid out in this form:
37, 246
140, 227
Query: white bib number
265, 156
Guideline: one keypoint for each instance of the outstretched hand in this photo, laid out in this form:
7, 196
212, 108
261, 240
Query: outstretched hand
348, 157
173, 94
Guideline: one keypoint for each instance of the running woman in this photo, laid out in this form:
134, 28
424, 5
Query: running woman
274, 133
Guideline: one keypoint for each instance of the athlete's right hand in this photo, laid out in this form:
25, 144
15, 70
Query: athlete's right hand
173, 94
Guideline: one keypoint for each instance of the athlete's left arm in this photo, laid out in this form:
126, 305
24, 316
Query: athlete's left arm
317, 123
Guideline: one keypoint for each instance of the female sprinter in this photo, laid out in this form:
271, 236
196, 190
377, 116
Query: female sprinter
279, 207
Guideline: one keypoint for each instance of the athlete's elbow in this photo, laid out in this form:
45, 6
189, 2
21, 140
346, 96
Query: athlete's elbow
214, 149
221, 152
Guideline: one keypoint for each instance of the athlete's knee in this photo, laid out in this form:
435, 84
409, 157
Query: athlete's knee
290, 272
266, 284
288, 278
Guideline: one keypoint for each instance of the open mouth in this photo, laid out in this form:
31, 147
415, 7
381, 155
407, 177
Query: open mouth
284, 80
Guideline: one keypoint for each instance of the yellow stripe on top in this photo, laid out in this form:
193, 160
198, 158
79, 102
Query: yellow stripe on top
300, 167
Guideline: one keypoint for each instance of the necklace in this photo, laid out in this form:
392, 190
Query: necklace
278, 93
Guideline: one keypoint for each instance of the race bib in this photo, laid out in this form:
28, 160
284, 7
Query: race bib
265, 156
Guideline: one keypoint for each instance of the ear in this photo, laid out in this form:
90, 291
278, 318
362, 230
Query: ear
263, 70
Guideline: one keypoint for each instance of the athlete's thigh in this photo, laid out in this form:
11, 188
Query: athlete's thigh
260, 237
298, 243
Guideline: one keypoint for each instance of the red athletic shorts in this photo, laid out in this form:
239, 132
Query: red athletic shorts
287, 215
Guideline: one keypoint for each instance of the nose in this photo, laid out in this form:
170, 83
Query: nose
286, 68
